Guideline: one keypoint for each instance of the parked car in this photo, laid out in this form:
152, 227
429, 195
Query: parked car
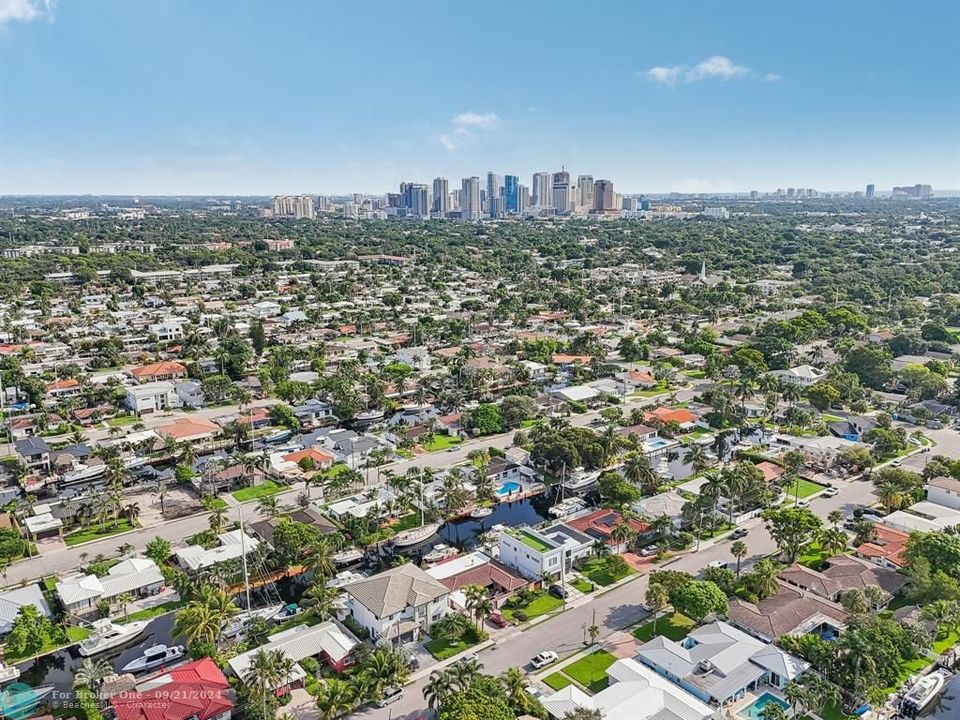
499, 620
831, 491
390, 696
559, 591
543, 659
469, 657
738, 533
721, 564
649, 550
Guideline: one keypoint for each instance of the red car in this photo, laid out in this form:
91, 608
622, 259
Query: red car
499, 620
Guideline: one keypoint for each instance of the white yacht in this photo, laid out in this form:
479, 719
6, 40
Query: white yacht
348, 556
440, 552
481, 512
921, 693
581, 480
154, 657
239, 622
416, 535
568, 507
107, 635
8, 673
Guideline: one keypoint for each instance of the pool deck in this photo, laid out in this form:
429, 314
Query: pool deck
751, 697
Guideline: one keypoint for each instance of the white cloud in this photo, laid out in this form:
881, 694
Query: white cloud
447, 142
486, 121
665, 75
717, 67
26, 10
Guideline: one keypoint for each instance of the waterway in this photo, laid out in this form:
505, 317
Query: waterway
947, 705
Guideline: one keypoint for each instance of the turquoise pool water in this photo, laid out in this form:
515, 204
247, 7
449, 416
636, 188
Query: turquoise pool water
509, 487
754, 711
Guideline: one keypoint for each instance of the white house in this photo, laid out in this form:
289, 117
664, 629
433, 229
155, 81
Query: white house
190, 393
399, 605
12, 600
802, 375
944, 491
232, 545
139, 577
153, 396
538, 553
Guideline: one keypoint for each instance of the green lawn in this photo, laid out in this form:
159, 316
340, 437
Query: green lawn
591, 671
826, 417
652, 392
529, 422
441, 442
558, 681
694, 374
596, 571
407, 522
336, 469
93, 532
814, 556
542, 604
121, 420
532, 541
582, 585
74, 635
264, 489
442, 649
697, 434
945, 641
150, 613
802, 489
674, 626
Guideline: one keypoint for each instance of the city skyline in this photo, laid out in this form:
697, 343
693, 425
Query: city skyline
322, 106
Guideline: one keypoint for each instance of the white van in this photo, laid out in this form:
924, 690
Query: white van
390, 696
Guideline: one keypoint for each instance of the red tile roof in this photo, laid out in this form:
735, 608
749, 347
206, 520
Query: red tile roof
665, 414
888, 545
490, 573
771, 471
160, 369
600, 524
197, 689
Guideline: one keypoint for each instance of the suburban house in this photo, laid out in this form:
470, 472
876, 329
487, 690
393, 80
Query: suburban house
477, 568
12, 600
842, 574
190, 429
329, 641
233, 545
195, 691
289, 463
717, 663
683, 417
944, 491
790, 611
79, 594
600, 525
399, 605
852, 428
633, 692
886, 548
802, 375
313, 412
166, 370
34, 452
536, 554
152, 397
190, 393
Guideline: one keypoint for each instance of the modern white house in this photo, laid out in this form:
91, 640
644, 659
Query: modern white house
79, 594
543, 553
152, 397
399, 605
190, 393
802, 375
232, 545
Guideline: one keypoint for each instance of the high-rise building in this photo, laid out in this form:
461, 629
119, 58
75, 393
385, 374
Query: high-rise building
629, 203
496, 207
523, 198
494, 184
470, 208
916, 192
561, 192
603, 196
871, 191
441, 196
791, 192
585, 193
511, 183
754, 194
295, 206
542, 190
415, 199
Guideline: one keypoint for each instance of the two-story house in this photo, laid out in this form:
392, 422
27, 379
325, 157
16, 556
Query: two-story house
152, 397
399, 605
551, 552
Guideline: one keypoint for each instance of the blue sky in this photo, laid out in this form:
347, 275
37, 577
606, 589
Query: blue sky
259, 98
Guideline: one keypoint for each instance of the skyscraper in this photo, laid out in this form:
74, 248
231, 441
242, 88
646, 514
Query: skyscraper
470, 199
295, 206
871, 191
561, 192
493, 186
603, 196
542, 190
441, 196
415, 199
523, 199
585, 193
510, 185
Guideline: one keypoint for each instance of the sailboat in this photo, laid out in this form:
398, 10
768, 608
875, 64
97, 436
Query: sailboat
238, 624
417, 535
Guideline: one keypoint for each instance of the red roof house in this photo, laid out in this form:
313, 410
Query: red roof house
887, 547
600, 524
195, 690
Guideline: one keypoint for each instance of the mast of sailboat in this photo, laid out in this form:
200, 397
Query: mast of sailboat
420, 475
243, 558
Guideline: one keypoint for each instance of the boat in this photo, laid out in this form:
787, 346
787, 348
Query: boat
416, 535
239, 622
581, 481
288, 611
8, 672
279, 436
481, 512
567, 507
154, 657
440, 552
21, 701
921, 692
83, 472
348, 556
107, 635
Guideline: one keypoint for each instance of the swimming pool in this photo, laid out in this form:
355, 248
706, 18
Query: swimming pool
509, 487
754, 711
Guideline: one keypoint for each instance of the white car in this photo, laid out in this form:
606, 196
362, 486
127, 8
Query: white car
720, 564
543, 659
831, 491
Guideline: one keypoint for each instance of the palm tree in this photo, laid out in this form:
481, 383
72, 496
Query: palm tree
334, 698
269, 506
387, 667
202, 619
439, 688
91, 672
515, 685
739, 550
622, 534
319, 558
268, 670
696, 456
123, 600
833, 540
657, 599
945, 613
319, 599
875, 595
796, 694
763, 579
464, 672
160, 491
638, 471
